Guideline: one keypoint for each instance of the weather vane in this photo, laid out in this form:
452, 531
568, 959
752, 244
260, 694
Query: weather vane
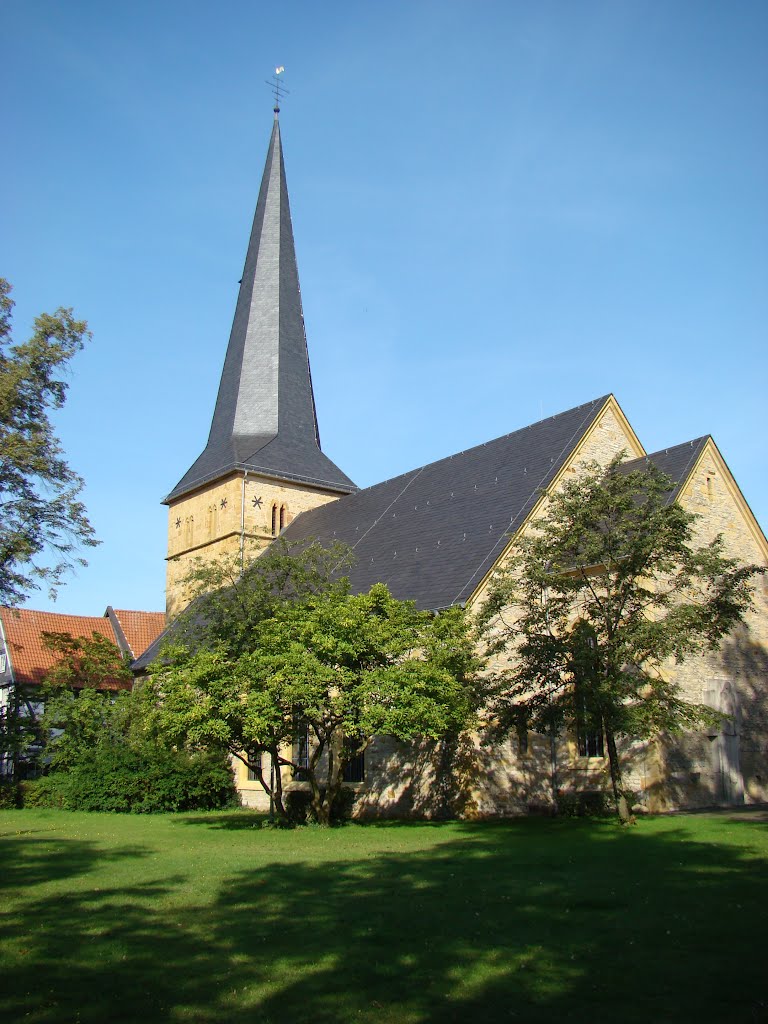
277, 87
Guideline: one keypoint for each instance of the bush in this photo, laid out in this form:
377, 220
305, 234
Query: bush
10, 795
144, 781
591, 804
40, 793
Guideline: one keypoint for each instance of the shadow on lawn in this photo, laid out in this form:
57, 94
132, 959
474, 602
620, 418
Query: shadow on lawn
529, 921
30, 861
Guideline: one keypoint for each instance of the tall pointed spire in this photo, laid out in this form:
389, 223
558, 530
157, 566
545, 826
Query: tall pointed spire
265, 420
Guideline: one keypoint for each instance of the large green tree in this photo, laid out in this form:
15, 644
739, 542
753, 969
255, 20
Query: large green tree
601, 599
310, 673
42, 521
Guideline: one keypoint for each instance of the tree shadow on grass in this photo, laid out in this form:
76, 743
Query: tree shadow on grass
532, 921
27, 861
234, 821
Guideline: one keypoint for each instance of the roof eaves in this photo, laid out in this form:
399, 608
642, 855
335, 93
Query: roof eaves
240, 467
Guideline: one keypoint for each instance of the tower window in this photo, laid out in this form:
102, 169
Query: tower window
274, 520
283, 511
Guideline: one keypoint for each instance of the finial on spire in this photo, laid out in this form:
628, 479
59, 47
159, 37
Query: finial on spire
277, 88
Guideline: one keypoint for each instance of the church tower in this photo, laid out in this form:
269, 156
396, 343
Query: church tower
262, 464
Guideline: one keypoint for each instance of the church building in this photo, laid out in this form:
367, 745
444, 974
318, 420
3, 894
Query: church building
436, 533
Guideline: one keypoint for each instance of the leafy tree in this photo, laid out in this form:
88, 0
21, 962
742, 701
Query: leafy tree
601, 599
227, 601
40, 513
82, 697
314, 661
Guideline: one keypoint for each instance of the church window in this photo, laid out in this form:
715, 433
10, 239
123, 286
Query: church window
301, 750
283, 516
589, 721
274, 520
710, 488
589, 727
591, 744
254, 767
354, 766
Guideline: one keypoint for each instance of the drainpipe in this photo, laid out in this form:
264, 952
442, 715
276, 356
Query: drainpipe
242, 522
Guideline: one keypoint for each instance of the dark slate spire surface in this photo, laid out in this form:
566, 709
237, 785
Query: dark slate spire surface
265, 419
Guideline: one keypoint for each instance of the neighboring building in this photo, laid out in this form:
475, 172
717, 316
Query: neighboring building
434, 535
25, 660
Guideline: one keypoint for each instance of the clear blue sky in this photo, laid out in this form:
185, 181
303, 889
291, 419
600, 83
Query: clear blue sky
501, 210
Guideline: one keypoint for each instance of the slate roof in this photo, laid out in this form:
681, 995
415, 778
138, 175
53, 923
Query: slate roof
432, 534
265, 420
28, 660
677, 462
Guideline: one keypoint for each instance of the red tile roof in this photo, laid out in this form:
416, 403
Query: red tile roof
24, 643
30, 660
140, 628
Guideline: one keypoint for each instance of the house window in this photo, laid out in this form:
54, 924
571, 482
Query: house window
274, 520
254, 767
354, 768
301, 751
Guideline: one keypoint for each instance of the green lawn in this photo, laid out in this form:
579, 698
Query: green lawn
212, 918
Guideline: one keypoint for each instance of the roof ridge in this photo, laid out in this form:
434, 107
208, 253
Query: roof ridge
484, 444
527, 508
672, 447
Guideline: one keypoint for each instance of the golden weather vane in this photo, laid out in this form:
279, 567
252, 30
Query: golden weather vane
277, 87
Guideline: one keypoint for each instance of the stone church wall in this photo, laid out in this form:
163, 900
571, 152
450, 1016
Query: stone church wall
473, 778
214, 522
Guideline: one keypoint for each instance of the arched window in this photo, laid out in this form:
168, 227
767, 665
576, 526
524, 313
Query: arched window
585, 667
274, 520
283, 511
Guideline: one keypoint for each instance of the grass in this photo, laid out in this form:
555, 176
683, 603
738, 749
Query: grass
211, 918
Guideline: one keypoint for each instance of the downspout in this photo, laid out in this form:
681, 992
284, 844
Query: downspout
242, 522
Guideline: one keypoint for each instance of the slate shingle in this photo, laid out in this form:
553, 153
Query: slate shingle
677, 462
432, 534
265, 420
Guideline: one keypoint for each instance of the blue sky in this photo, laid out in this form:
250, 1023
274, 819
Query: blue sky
501, 210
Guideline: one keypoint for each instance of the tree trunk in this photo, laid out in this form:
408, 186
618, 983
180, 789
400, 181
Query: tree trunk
277, 787
319, 805
622, 808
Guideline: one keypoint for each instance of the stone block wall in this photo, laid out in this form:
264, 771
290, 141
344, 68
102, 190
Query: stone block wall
230, 515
